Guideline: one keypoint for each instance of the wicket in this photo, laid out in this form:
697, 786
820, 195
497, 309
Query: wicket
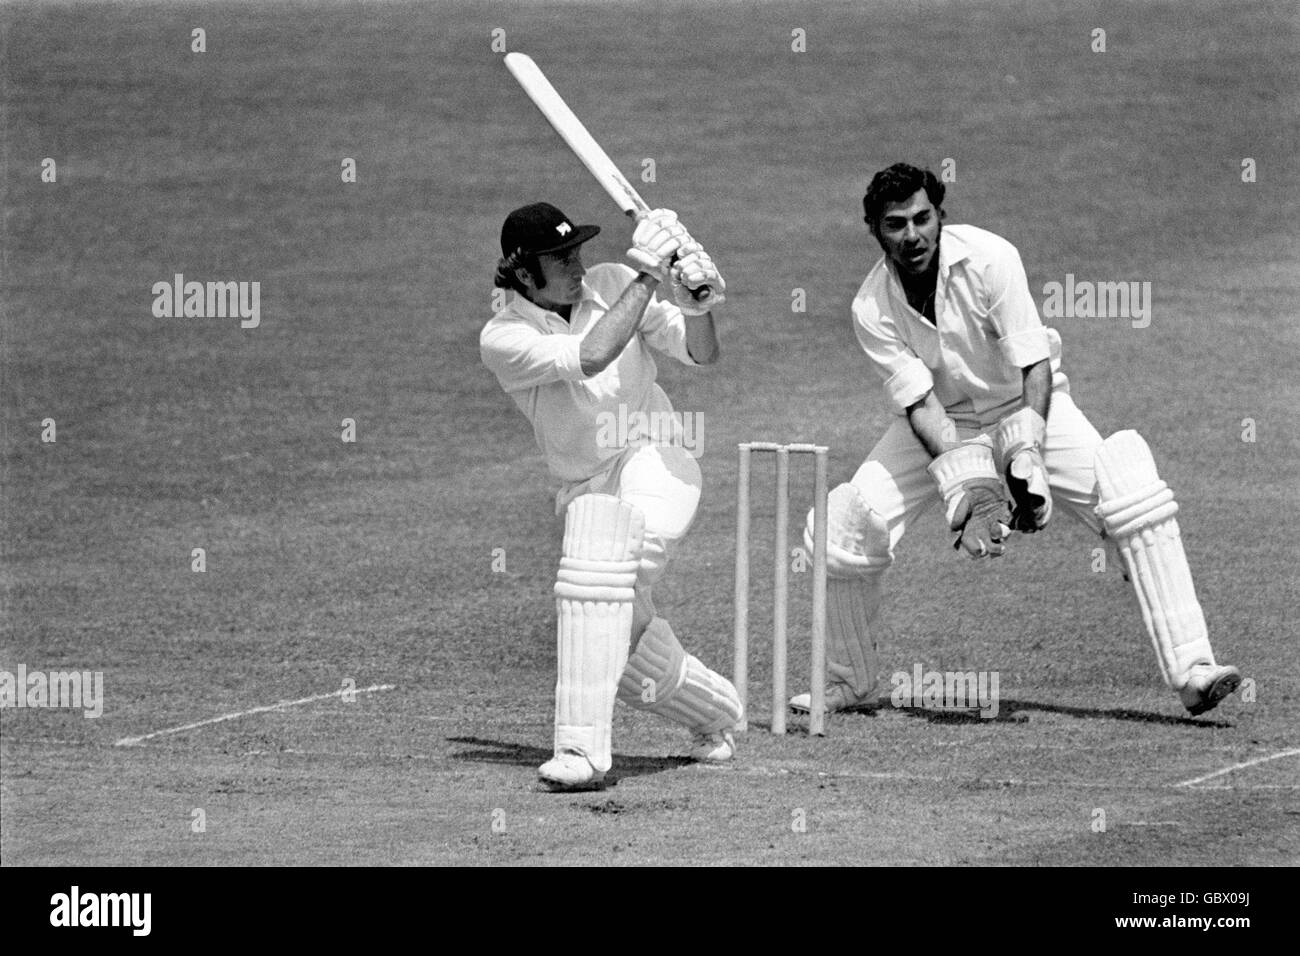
820, 453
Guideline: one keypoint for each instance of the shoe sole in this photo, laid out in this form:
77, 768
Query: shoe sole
1221, 688
556, 786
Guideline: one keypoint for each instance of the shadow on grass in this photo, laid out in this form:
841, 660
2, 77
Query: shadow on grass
1009, 709
524, 755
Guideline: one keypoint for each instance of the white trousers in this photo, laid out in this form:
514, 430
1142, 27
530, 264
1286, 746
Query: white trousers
664, 483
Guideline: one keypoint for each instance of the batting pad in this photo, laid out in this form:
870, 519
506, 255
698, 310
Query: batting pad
593, 603
1138, 511
851, 653
663, 679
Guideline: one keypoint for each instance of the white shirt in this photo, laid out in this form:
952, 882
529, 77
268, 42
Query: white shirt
987, 328
535, 356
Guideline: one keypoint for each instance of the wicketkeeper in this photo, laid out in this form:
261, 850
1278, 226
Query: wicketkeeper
573, 348
987, 426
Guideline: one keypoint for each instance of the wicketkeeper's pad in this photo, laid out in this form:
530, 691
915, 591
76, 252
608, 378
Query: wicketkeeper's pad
857, 556
852, 652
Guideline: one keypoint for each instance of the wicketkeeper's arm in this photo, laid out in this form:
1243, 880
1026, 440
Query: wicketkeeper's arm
931, 424
1038, 387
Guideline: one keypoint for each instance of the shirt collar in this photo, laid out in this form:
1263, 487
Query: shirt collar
528, 309
952, 250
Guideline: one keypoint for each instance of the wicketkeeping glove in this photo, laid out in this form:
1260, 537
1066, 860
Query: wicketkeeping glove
975, 502
1018, 444
694, 269
981, 519
655, 240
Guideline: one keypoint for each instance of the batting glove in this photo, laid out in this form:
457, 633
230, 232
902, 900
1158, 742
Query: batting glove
655, 240
691, 273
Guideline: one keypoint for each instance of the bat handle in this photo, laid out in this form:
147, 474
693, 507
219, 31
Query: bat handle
703, 293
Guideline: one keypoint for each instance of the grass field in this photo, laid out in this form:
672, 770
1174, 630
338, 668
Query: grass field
373, 561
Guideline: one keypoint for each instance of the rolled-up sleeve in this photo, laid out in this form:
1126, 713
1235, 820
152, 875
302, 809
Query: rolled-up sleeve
906, 377
1022, 337
523, 357
664, 328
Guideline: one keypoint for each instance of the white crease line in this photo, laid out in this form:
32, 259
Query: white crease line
132, 741
1240, 766
765, 771
362, 755
1252, 786
983, 782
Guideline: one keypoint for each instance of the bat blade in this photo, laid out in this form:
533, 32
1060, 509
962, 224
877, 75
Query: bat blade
573, 132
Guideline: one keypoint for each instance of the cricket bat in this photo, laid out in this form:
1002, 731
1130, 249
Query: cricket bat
583, 144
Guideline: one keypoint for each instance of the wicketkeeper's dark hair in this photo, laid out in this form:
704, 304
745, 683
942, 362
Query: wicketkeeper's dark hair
895, 184
506, 266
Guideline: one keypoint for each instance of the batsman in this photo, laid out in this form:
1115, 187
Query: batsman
986, 425
575, 349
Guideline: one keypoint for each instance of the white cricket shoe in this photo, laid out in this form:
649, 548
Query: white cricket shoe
1207, 685
838, 697
713, 748
569, 770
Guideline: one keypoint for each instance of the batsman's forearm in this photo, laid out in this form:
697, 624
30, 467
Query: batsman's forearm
1038, 387
702, 339
609, 336
932, 426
